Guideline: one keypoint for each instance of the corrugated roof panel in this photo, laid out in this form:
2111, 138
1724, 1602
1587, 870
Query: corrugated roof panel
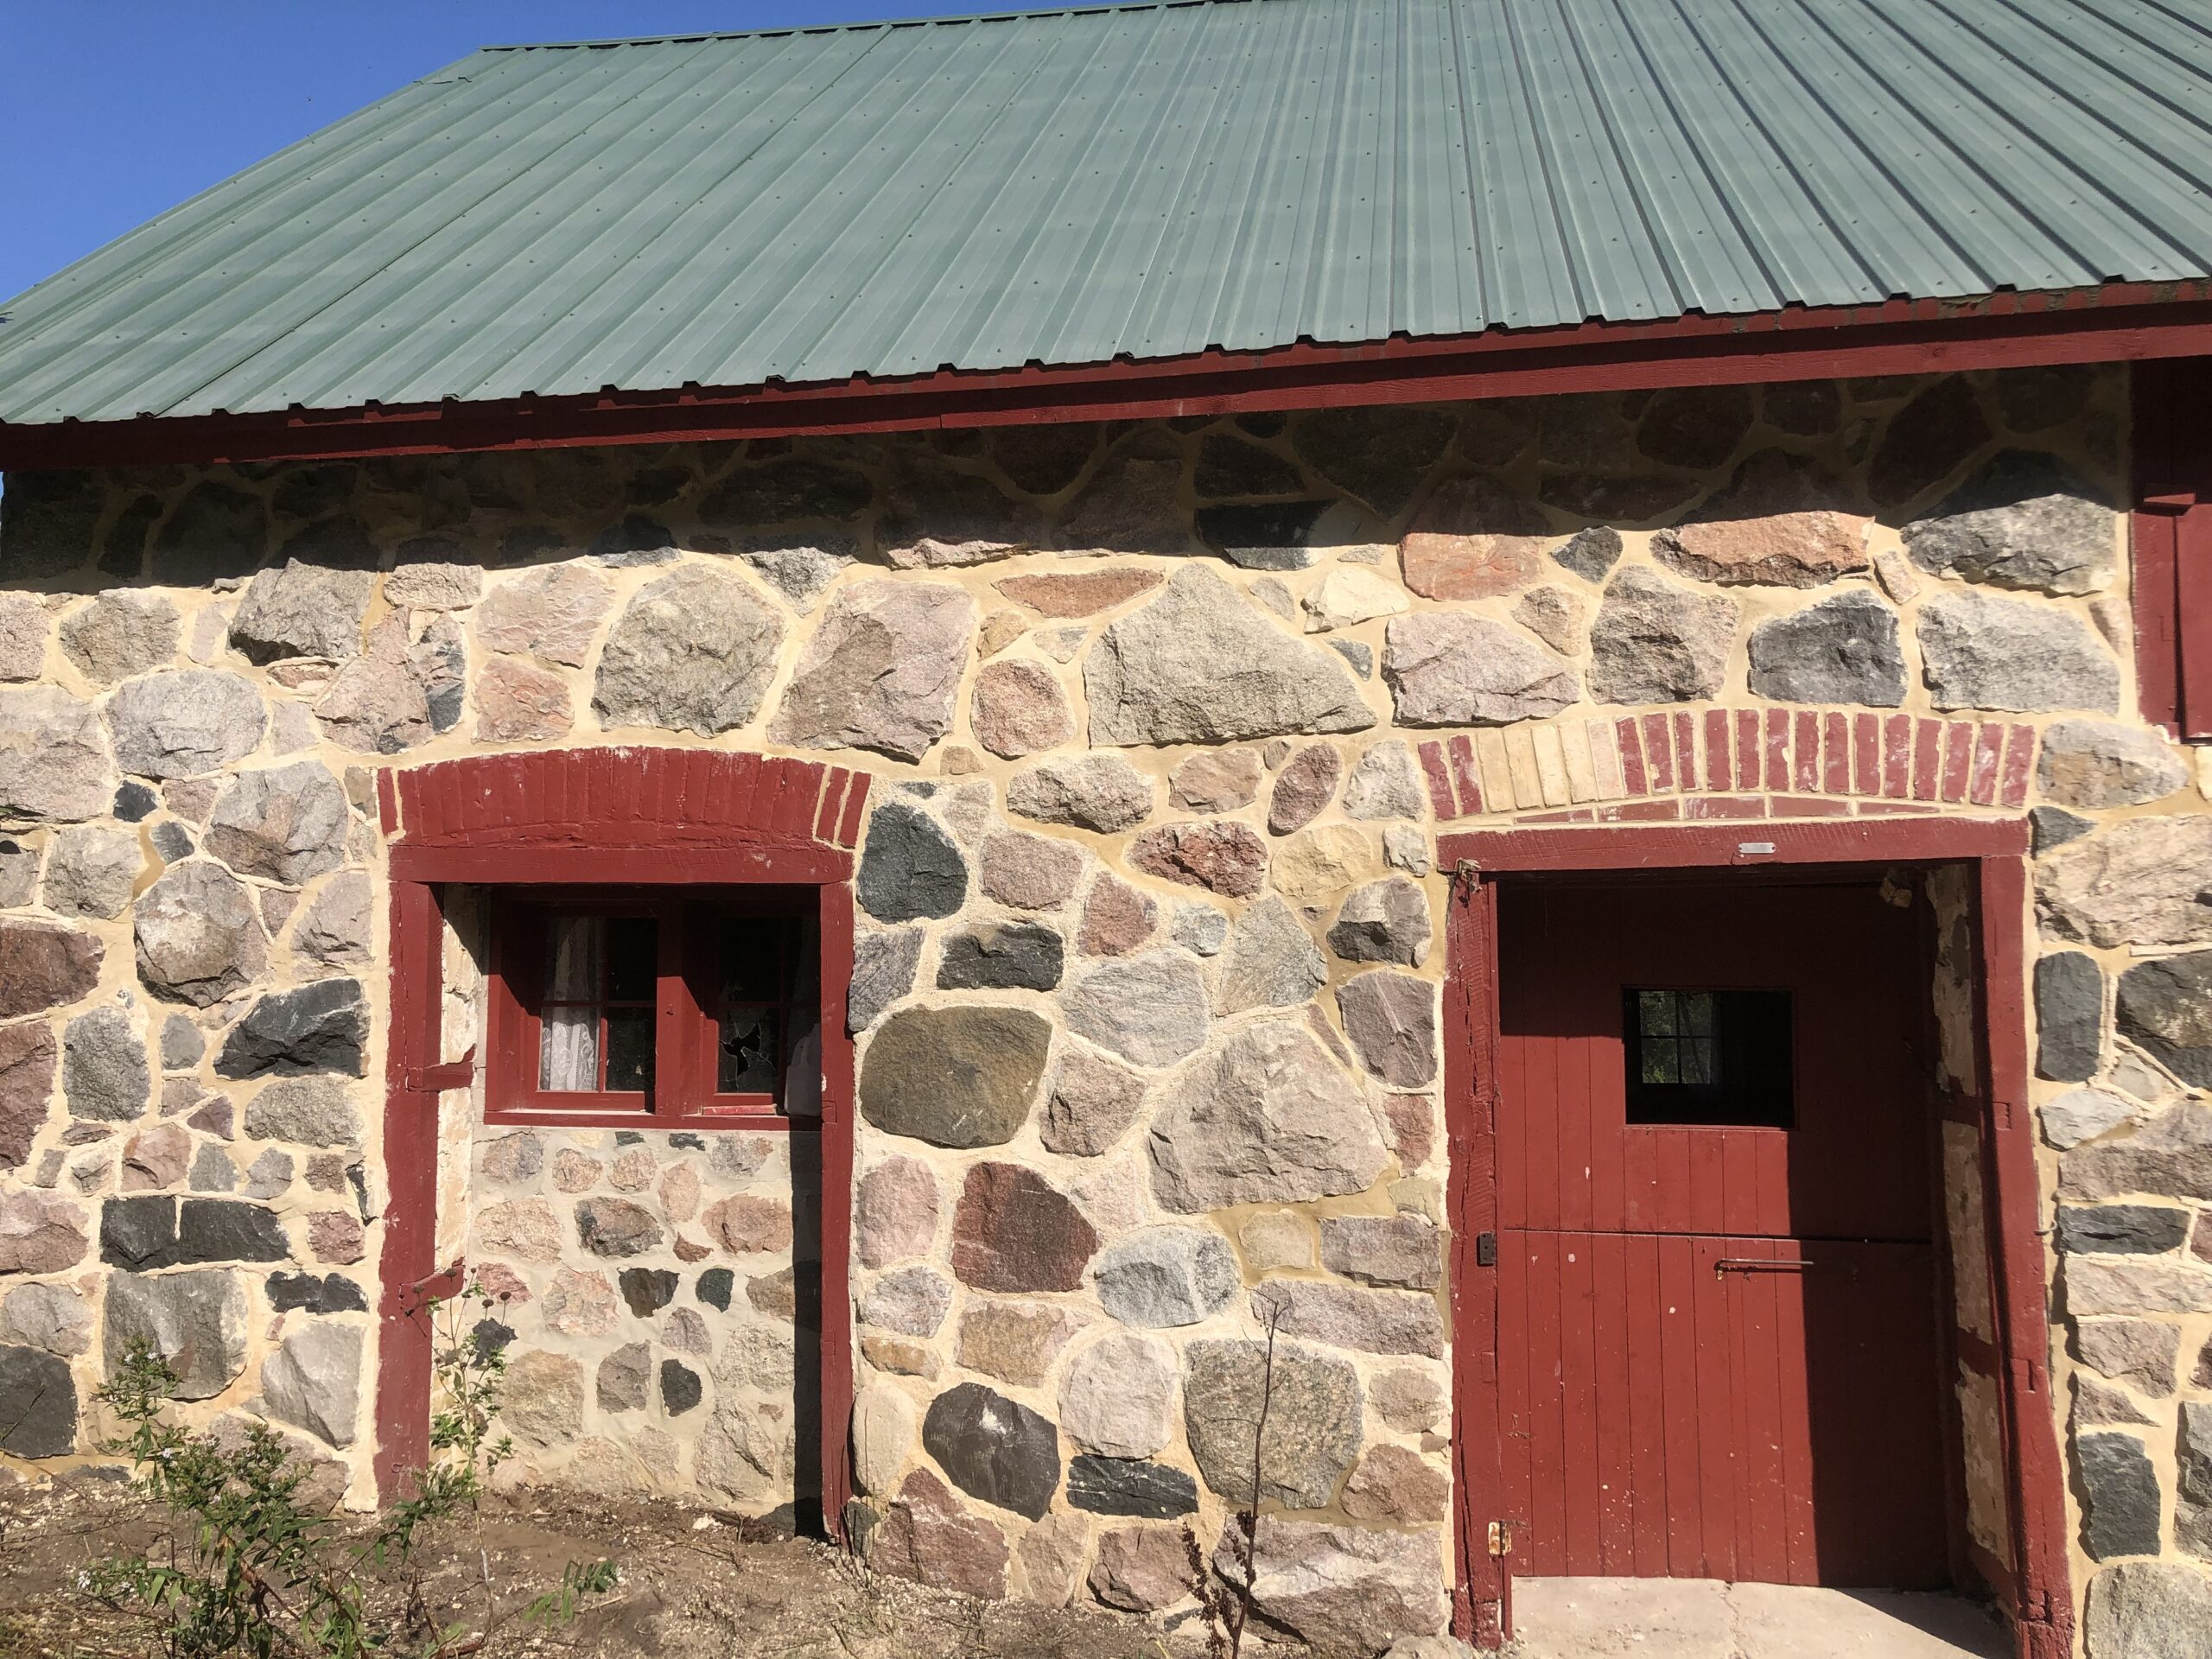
1148, 180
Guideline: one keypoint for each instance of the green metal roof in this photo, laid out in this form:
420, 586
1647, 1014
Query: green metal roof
1071, 186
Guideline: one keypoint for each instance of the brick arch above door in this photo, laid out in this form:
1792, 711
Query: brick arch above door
1715, 763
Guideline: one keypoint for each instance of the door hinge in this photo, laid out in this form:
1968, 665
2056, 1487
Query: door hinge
1467, 874
436, 1079
1485, 1249
1500, 1539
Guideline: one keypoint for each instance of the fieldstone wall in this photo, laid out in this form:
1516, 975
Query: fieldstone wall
1165, 719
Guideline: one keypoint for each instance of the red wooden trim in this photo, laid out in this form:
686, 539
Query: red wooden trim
2044, 1598
1615, 847
693, 865
835, 929
2115, 323
406, 1261
1481, 1601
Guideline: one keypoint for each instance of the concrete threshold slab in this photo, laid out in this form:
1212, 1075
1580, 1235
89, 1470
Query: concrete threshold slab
1705, 1618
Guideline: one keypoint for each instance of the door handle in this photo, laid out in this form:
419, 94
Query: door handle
1761, 1264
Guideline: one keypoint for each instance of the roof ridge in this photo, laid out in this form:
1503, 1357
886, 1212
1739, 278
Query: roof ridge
688, 37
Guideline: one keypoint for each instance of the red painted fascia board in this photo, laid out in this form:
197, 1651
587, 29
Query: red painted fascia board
1747, 845
2119, 322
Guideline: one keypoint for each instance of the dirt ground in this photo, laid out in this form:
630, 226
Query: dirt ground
687, 1591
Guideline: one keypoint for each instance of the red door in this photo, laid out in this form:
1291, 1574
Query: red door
1717, 1288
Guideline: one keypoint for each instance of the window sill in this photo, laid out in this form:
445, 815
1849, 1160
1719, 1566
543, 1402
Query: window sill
755, 1119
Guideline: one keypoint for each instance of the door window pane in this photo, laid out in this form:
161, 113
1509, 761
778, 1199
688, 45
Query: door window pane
1708, 1057
595, 1007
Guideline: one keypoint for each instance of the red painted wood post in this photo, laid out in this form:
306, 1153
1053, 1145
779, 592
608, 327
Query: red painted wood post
407, 1263
2044, 1613
1482, 1597
836, 1207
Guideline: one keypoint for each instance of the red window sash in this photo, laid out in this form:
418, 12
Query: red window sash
2171, 536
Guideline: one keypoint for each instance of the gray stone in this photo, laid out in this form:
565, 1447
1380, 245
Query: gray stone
1313, 1410
1842, 650
2136, 883
2120, 1229
1017, 707
1591, 553
2120, 1497
1384, 921
550, 613
196, 1321
1102, 792
1385, 783
883, 1434
783, 490
1001, 957
912, 1301
1090, 1105
934, 517
287, 823
542, 1399
2169, 1154
19, 869
2069, 1016
894, 1212
625, 1378
910, 867
2165, 1005
1271, 961
617, 1227
2082, 1114
994, 1448
318, 1027
40, 1420
223, 1230
185, 722
2050, 827
314, 1381
1265, 1117
1267, 536
1345, 1315
42, 966
439, 660
1160, 1277
433, 585
1149, 1009
1390, 1021
680, 1388
1342, 1590
1134, 1487
800, 571
22, 636
2096, 763
212, 1170
377, 704
268, 1175
90, 870
1029, 872
2013, 655
197, 935
121, 633
336, 928
1379, 453
1199, 929
692, 651
2024, 521
26, 1065
47, 517
1448, 668
1156, 676
1656, 641
884, 964
881, 671
2193, 1452
302, 610
50, 1317
1119, 1395
2150, 1609
53, 764
960, 1077
103, 1072
1406, 1251
304, 1112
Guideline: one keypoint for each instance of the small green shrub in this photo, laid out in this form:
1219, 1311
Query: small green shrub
247, 1569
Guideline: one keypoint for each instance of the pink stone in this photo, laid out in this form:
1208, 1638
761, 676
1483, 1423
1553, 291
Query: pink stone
1216, 780
155, 1158
1304, 787
1222, 856
1117, 918
927, 1536
1012, 1231
334, 1237
579, 1304
1029, 872
1473, 540
519, 704
1397, 1486
745, 1225
679, 1192
40, 1233
634, 1170
574, 1172
896, 1211
1078, 593
1018, 708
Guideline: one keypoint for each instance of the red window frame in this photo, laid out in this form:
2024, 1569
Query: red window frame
2171, 536
686, 1010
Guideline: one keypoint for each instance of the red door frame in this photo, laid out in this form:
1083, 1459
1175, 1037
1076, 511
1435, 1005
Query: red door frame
603, 816
1994, 850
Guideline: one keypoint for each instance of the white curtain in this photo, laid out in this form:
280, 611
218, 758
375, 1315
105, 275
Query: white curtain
568, 1051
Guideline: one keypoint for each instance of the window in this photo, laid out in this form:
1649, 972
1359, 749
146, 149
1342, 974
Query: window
2171, 541
694, 1007
1708, 1057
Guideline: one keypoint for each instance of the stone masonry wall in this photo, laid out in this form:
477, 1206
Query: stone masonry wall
1166, 720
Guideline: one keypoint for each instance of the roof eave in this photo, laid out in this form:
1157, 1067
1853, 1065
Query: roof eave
2114, 323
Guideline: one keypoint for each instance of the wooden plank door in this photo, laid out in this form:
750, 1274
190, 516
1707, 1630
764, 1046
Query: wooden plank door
1718, 1340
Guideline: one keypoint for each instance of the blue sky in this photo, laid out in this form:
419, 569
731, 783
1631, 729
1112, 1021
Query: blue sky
115, 109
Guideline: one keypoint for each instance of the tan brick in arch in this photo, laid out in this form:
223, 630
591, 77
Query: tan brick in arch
1729, 763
